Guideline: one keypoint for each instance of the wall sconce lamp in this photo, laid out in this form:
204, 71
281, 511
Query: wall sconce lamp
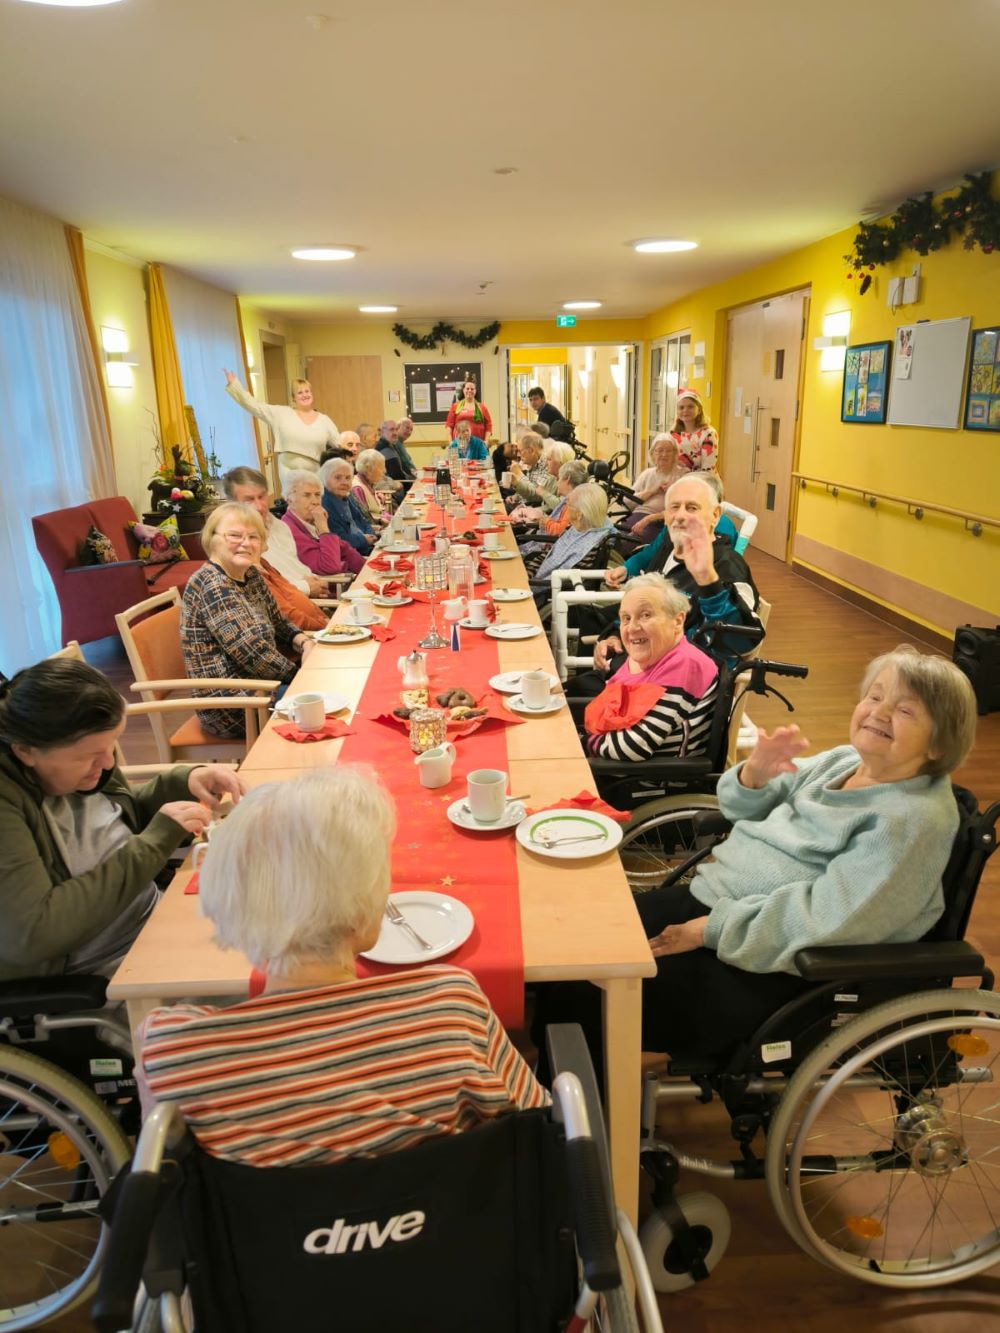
118, 361
832, 346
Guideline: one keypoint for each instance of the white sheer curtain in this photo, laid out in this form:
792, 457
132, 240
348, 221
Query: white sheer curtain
54, 446
208, 342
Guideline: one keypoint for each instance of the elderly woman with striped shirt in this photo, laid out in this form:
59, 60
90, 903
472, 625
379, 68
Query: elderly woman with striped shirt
660, 701
377, 1063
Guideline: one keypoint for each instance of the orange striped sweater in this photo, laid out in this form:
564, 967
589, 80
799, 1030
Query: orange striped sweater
310, 1077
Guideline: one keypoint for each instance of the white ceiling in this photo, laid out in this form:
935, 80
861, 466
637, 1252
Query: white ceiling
215, 135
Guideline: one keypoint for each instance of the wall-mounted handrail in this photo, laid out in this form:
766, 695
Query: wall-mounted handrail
973, 523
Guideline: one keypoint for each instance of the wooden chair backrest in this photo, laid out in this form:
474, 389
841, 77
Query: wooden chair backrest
151, 633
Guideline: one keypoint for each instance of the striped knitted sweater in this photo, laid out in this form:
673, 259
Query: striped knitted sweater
311, 1077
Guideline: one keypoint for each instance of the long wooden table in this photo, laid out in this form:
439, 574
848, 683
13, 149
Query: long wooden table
577, 917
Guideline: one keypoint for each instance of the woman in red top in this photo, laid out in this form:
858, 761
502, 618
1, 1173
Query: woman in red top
697, 441
470, 409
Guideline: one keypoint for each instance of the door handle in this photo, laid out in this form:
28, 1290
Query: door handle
755, 441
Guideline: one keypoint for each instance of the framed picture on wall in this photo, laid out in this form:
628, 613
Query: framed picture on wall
982, 401
432, 387
864, 399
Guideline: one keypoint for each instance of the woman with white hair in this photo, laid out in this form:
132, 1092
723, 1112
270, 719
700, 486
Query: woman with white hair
571, 474
300, 432
588, 528
652, 484
661, 700
317, 547
346, 517
324, 1064
369, 470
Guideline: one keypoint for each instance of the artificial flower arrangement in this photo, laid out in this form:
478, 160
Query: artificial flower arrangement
177, 487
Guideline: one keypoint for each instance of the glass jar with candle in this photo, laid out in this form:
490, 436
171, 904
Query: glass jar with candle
428, 729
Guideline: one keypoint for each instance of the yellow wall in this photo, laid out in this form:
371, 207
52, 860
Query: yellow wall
960, 469
525, 358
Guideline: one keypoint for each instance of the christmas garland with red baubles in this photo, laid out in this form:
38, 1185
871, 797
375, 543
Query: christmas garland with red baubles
923, 225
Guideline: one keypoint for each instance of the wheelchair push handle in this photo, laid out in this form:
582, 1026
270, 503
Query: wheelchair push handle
760, 668
125, 1258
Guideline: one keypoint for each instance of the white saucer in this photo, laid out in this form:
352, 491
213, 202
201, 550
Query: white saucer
511, 817
514, 631
467, 623
332, 703
511, 594
516, 704
379, 600
443, 921
426, 526
509, 682
498, 555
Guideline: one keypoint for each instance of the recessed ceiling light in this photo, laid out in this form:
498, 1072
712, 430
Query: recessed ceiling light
74, 4
378, 309
323, 253
581, 305
663, 247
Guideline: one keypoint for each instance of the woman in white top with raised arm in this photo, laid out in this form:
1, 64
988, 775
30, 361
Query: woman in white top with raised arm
300, 432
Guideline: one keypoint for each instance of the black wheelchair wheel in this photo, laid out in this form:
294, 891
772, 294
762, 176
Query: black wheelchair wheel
59, 1150
882, 1156
659, 837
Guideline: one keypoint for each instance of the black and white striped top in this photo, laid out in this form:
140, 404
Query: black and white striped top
677, 726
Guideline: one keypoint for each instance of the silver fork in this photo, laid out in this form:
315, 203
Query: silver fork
398, 919
547, 840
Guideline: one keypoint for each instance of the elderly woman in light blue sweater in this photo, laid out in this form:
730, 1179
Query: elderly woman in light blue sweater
846, 847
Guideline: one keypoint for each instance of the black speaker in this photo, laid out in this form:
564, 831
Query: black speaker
977, 655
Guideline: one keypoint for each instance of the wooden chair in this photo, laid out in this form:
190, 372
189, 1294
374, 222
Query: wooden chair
150, 631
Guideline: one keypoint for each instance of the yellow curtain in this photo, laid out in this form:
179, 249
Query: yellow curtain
166, 370
246, 381
74, 239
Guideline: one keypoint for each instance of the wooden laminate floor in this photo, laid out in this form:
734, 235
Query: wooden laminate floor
764, 1283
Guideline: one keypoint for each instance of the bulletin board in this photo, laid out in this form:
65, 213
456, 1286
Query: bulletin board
928, 374
982, 403
866, 378
431, 387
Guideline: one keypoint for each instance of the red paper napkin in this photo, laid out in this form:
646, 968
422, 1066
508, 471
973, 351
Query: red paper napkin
380, 563
584, 800
394, 588
382, 633
192, 885
491, 610
620, 706
332, 729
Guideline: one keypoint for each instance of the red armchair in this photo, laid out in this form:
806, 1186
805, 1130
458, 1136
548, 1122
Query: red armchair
90, 596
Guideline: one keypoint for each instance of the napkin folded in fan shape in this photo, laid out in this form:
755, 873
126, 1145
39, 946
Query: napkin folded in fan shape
332, 729
585, 800
400, 566
394, 588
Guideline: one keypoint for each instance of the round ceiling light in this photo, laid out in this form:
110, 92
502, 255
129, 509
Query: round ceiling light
663, 247
323, 253
378, 309
581, 305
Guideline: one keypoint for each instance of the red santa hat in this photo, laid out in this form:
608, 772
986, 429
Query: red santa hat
693, 394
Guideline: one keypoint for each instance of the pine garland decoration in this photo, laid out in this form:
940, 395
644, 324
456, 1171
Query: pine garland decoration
444, 332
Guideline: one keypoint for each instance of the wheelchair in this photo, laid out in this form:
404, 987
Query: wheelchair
873, 1091
67, 1104
466, 1231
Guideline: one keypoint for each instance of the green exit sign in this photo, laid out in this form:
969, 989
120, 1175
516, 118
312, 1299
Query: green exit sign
565, 321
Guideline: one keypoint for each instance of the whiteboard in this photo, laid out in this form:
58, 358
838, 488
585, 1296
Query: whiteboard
932, 396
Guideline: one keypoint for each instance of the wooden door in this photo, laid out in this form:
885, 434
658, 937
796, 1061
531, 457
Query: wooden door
758, 430
348, 388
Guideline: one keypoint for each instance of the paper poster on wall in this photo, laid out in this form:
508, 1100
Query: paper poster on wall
444, 393
904, 353
982, 405
420, 397
864, 395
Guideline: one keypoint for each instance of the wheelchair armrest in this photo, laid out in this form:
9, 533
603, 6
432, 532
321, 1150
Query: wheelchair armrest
867, 962
27, 996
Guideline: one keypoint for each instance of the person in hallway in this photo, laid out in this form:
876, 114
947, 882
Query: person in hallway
300, 432
230, 623
843, 847
80, 846
404, 429
697, 441
545, 412
468, 446
317, 547
346, 517
470, 409
392, 1059
396, 468
247, 486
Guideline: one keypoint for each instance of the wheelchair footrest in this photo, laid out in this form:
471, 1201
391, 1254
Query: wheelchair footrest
922, 960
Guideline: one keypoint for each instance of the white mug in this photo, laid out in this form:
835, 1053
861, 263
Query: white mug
361, 611
406, 510
507, 480
487, 794
453, 608
309, 710
489, 505
410, 533
535, 688
477, 612
435, 765
485, 520
491, 541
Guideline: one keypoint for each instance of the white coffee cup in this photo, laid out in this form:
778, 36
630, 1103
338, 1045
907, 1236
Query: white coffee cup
478, 612
489, 505
485, 520
507, 480
435, 765
361, 611
453, 608
491, 541
441, 545
406, 510
309, 711
535, 688
487, 794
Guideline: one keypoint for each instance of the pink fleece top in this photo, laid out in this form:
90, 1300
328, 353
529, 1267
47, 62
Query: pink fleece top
685, 666
322, 552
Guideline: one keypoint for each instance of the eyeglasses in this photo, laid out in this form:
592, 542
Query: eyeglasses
238, 538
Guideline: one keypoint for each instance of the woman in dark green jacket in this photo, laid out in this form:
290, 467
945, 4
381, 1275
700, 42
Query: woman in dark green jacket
79, 847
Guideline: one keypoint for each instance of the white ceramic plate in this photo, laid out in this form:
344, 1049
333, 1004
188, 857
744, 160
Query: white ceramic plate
567, 824
332, 703
343, 634
498, 555
509, 682
466, 623
444, 922
426, 526
514, 631
516, 704
460, 815
400, 548
511, 594
379, 600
